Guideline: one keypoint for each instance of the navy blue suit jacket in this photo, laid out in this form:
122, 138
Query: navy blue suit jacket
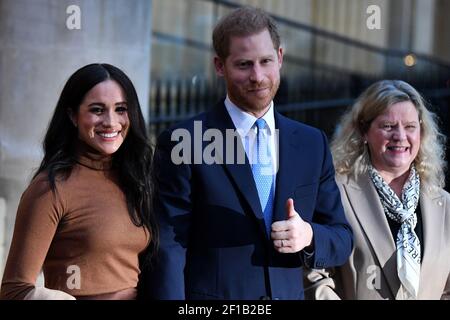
212, 233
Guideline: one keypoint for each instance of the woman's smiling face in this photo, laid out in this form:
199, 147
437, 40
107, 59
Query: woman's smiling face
102, 118
394, 138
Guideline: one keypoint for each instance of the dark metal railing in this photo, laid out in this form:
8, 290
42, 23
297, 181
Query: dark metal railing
174, 100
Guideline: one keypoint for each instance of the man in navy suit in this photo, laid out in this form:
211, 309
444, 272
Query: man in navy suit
229, 229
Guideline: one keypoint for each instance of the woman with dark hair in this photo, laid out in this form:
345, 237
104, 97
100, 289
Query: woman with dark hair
86, 217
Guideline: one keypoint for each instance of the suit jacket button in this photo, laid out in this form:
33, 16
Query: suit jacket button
265, 298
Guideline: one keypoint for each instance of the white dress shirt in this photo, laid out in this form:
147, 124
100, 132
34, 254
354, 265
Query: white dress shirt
246, 128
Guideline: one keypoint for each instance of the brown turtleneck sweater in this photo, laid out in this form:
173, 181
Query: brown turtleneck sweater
85, 227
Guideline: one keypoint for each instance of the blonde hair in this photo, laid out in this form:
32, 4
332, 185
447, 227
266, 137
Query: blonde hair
351, 155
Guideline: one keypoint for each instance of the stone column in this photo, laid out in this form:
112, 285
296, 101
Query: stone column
40, 47
423, 22
442, 31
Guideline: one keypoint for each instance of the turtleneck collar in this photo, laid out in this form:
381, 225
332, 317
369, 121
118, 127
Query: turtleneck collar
91, 158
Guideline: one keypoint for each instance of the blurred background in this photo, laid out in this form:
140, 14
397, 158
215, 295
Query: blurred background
334, 49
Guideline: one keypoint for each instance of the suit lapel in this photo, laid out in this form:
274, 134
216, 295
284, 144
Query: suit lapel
287, 142
368, 209
241, 174
433, 226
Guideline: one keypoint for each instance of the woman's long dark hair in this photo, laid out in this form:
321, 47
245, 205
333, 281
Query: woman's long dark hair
132, 161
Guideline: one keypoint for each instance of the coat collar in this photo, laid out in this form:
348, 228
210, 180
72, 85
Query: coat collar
369, 212
433, 216
240, 173
289, 161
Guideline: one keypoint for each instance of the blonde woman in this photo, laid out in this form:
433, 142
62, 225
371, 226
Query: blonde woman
389, 159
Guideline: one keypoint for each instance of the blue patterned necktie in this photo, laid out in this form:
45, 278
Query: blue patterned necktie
263, 172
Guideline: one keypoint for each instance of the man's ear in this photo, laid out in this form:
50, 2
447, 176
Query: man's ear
280, 56
73, 117
219, 64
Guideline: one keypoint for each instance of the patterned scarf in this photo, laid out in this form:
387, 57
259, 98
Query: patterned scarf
403, 212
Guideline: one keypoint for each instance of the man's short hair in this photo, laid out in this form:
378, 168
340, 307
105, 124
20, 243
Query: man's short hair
244, 21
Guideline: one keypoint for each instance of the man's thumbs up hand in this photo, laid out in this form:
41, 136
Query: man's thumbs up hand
291, 213
293, 234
